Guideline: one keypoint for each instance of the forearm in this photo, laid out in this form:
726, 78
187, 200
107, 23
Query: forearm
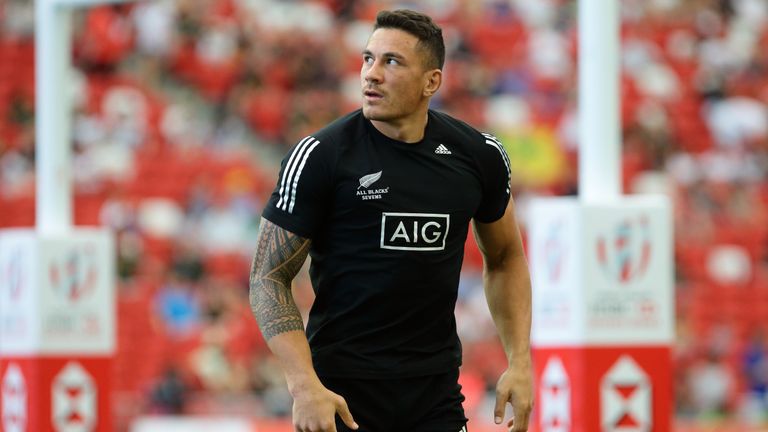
279, 256
292, 351
508, 291
281, 324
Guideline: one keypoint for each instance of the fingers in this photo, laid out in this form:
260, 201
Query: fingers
343, 410
521, 412
520, 417
329, 427
501, 403
516, 424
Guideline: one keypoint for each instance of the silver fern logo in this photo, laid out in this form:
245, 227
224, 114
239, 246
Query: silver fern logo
368, 180
365, 192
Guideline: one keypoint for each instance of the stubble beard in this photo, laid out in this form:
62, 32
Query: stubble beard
370, 114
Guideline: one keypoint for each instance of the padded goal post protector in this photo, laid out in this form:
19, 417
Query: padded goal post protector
602, 313
57, 330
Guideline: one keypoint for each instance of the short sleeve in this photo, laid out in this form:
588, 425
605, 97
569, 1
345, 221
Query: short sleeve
495, 174
299, 201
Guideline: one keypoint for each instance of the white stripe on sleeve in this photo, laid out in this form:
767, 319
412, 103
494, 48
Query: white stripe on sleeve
493, 141
290, 168
298, 174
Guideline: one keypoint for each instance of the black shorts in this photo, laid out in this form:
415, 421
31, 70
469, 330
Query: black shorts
419, 404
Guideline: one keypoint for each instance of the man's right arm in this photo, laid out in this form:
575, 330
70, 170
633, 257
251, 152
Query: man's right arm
279, 256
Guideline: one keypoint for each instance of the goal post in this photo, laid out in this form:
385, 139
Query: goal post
53, 78
602, 270
57, 282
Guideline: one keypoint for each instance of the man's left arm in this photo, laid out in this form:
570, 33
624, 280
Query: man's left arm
508, 292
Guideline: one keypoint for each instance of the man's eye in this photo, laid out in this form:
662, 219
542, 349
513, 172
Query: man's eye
392, 61
367, 59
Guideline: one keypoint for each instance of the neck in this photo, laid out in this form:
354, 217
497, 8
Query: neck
405, 130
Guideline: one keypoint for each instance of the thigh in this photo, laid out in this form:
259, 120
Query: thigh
420, 404
453, 428
369, 401
437, 428
438, 408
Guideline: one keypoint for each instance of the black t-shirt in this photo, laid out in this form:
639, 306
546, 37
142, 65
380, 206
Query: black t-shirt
388, 221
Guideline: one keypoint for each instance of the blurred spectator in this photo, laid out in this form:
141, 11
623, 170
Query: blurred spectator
228, 224
17, 167
178, 307
18, 19
160, 217
169, 394
130, 248
109, 38
187, 261
269, 383
213, 367
712, 386
756, 373
154, 22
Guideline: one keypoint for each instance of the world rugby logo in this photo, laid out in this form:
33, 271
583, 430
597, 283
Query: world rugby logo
73, 275
554, 252
625, 253
15, 275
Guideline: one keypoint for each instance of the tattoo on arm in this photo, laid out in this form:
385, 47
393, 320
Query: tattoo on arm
279, 256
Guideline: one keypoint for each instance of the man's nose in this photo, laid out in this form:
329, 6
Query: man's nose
373, 74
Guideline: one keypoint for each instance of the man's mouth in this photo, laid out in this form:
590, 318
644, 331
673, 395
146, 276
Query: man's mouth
372, 94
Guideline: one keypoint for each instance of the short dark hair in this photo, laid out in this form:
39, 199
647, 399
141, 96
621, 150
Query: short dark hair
430, 35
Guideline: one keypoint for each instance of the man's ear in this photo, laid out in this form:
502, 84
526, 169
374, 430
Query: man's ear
434, 78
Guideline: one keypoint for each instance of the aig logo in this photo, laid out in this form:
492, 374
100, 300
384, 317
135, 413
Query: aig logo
414, 231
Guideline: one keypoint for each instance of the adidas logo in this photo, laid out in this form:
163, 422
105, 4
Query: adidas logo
441, 149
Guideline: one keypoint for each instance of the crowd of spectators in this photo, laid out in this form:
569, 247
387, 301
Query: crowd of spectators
182, 108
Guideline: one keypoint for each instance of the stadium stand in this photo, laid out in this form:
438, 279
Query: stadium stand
183, 108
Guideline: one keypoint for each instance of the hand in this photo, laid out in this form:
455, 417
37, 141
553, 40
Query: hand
315, 409
516, 387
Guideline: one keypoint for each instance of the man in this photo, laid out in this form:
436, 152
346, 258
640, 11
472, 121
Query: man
382, 199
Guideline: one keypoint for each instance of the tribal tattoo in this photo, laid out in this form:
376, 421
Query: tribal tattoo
279, 256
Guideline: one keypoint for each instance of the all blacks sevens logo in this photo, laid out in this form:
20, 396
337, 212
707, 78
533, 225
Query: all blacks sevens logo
414, 231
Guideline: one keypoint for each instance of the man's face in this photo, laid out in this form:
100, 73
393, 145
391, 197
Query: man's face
393, 76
